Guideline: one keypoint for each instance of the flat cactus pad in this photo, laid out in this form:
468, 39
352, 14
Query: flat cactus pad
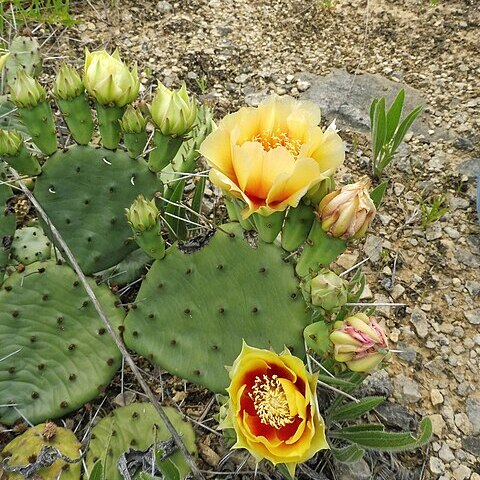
24, 450
7, 222
193, 310
84, 191
136, 427
63, 354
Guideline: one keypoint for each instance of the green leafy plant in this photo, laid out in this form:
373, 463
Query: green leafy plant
387, 131
432, 209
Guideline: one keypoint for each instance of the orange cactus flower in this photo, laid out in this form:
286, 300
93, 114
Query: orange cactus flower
270, 156
273, 407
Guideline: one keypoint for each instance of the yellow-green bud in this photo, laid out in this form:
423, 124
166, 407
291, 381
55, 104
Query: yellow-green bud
142, 215
360, 342
315, 195
68, 84
347, 212
3, 59
173, 112
11, 142
108, 80
133, 120
328, 290
26, 92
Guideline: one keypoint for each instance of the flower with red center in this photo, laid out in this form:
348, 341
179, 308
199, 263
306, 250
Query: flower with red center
360, 342
270, 156
273, 407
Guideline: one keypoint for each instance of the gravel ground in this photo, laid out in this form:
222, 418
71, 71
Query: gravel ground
243, 49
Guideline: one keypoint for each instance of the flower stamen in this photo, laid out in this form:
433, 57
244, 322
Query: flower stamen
270, 140
270, 402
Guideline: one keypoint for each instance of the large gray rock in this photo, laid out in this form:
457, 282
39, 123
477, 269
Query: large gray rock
473, 414
354, 471
347, 98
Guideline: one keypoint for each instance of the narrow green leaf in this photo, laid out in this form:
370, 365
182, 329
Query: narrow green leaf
350, 454
335, 381
147, 476
378, 192
364, 427
387, 441
169, 470
97, 472
379, 130
404, 127
284, 471
394, 114
372, 111
198, 196
353, 410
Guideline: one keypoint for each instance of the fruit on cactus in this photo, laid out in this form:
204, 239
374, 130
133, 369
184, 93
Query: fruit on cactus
143, 218
273, 407
327, 290
13, 152
69, 93
133, 125
26, 92
360, 342
68, 84
347, 212
108, 80
270, 156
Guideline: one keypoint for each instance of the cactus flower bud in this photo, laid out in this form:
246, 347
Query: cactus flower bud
360, 342
108, 79
328, 290
173, 112
11, 142
142, 214
133, 120
68, 84
3, 59
26, 92
348, 211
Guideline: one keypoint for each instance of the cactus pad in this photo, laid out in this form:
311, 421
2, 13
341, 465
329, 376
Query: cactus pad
25, 449
7, 222
194, 309
84, 191
30, 245
9, 118
135, 427
24, 54
65, 355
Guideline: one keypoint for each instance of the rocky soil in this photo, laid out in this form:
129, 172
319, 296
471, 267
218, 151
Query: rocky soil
233, 53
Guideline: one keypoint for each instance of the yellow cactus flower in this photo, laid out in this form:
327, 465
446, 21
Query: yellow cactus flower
273, 407
360, 342
108, 79
348, 211
270, 156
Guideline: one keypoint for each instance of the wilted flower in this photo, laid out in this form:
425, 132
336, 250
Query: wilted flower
173, 111
68, 84
133, 120
270, 156
328, 290
108, 79
360, 342
348, 211
26, 92
273, 407
142, 214
11, 142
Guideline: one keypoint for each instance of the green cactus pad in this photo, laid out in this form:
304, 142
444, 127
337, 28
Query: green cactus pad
85, 191
30, 245
9, 118
66, 356
134, 427
7, 222
24, 54
194, 309
25, 449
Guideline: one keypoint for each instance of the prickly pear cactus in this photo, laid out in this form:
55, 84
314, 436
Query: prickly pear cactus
25, 55
26, 448
9, 119
30, 245
136, 427
64, 357
7, 223
196, 308
84, 191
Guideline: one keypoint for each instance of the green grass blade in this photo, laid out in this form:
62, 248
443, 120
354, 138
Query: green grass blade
378, 192
394, 114
404, 127
379, 128
351, 454
353, 410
